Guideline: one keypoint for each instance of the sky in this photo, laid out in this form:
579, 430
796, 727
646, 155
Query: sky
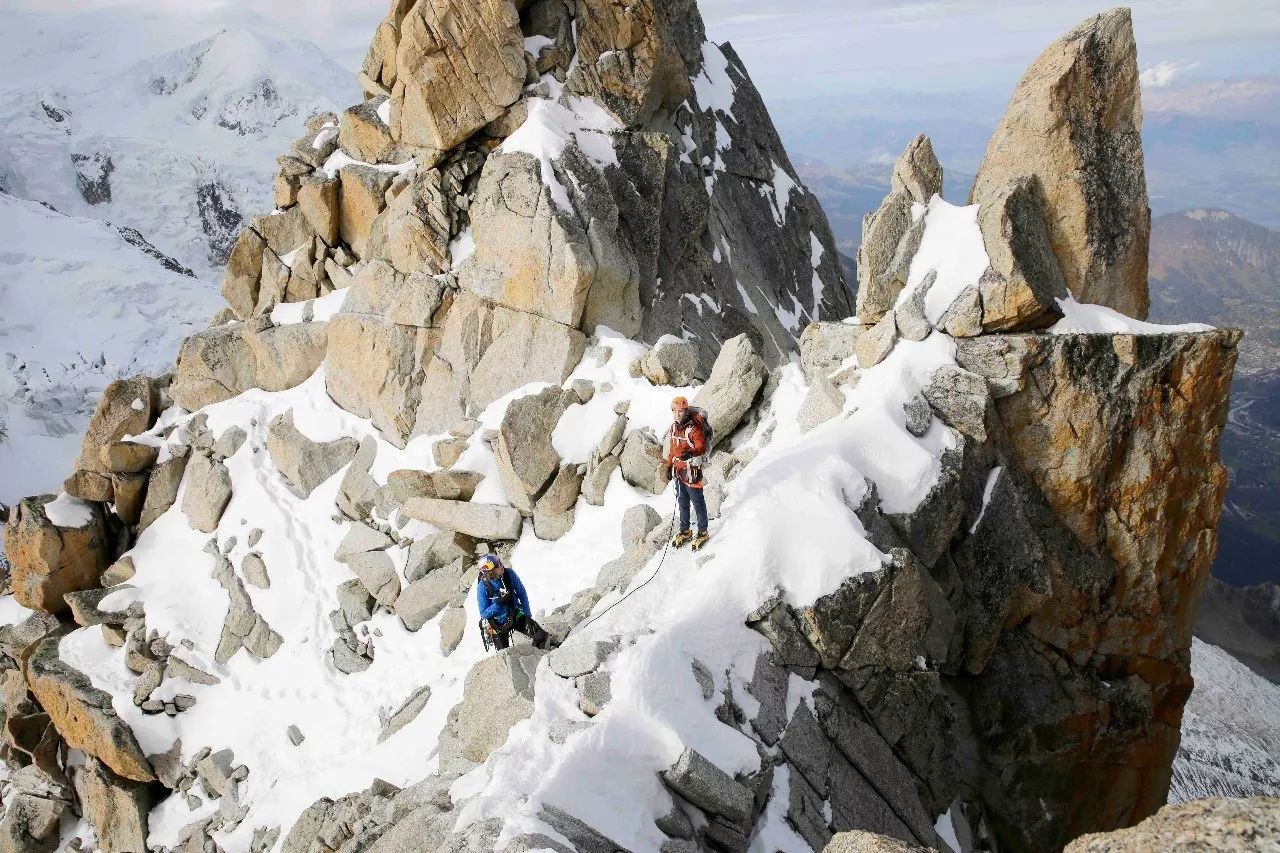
830, 47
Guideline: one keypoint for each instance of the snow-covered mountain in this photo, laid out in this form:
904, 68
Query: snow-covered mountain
249, 622
127, 167
1230, 731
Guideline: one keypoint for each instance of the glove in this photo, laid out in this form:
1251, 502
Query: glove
504, 597
499, 625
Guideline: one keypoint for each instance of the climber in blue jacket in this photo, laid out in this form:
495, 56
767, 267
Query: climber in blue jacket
504, 604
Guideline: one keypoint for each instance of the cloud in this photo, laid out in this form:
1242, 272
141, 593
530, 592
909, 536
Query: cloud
1162, 73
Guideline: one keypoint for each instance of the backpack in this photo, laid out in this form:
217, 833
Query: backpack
703, 422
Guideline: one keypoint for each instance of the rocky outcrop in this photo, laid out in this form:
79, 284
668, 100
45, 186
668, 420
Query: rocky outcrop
1074, 123
1216, 824
891, 235
48, 560
1042, 589
83, 714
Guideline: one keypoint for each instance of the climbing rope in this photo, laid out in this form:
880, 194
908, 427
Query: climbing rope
665, 548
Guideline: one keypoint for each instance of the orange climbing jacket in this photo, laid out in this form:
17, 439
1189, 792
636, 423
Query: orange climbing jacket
687, 447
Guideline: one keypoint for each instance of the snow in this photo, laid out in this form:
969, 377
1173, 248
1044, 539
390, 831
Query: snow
552, 125
952, 246
312, 310
1081, 317
11, 612
535, 44
713, 87
81, 307
66, 511
384, 112
1230, 731
137, 405
990, 487
461, 247
339, 158
782, 187
816, 252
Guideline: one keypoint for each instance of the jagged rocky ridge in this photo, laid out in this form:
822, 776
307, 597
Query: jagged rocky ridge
960, 543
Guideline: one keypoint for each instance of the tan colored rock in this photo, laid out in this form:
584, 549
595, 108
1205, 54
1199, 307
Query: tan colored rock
459, 64
284, 232
415, 229
244, 270
874, 345
489, 350
318, 200
130, 491
498, 694
48, 561
1075, 122
83, 714
162, 486
535, 257
362, 198
90, 486
483, 521
364, 136
1019, 291
636, 59
127, 407
223, 362
891, 235
526, 460
861, 841
304, 463
1198, 826
127, 457
116, 808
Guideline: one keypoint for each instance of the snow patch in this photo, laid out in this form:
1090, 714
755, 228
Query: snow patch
1084, 318
69, 512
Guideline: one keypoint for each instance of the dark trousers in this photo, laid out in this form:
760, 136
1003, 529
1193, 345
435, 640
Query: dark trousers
526, 626
685, 494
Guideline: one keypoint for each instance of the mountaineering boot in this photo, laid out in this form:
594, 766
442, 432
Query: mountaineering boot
681, 539
700, 540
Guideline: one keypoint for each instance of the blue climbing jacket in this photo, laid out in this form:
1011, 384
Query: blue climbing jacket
487, 592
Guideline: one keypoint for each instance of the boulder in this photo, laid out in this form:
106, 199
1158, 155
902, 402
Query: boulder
736, 379
304, 463
83, 714
1020, 290
636, 61
32, 822
116, 808
363, 135
550, 526
483, 521
561, 494
162, 486
459, 65
579, 657
599, 470
406, 713
244, 270
534, 256
498, 693
362, 198
1216, 823
453, 625
909, 314
708, 787
824, 347
359, 539
961, 399
377, 574
208, 491
891, 235
437, 551
488, 350
823, 402
415, 231
526, 460
642, 461
672, 361
861, 841
127, 407
48, 560
423, 599
874, 346
637, 523
318, 200
127, 457
225, 361
243, 627
1074, 123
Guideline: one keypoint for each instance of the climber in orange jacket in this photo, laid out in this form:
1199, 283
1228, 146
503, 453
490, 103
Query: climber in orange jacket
688, 442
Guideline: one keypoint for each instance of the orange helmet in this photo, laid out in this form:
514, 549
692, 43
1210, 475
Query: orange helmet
680, 403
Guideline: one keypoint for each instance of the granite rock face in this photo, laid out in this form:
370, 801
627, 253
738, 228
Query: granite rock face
1075, 123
